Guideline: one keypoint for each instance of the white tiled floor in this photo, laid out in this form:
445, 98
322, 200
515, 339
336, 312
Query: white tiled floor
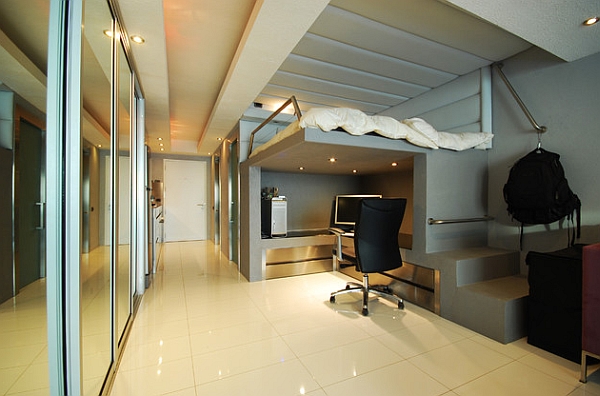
23, 342
202, 329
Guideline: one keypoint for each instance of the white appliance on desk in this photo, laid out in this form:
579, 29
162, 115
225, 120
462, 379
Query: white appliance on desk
274, 217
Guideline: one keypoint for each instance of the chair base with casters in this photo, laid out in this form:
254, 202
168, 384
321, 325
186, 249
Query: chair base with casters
365, 289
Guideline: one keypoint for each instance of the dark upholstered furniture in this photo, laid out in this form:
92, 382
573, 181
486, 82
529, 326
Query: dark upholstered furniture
554, 314
376, 246
590, 338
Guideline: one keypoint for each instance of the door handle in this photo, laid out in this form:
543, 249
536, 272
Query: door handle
41, 219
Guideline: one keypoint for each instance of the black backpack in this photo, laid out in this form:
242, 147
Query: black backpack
537, 191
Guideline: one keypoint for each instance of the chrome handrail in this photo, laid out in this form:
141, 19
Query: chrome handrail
292, 100
432, 221
539, 128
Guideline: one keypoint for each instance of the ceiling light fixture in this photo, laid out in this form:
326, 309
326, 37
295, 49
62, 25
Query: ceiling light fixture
354, 171
219, 139
301, 168
394, 164
136, 38
159, 138
591, 21
332, 159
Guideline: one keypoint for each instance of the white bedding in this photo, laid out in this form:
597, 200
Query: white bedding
413, 130
355, 122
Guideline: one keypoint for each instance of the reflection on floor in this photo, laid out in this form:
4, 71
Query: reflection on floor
23, 332
203, 330
23, 342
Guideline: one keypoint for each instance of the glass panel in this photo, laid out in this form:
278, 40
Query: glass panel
123, 271
23, 313
96, 330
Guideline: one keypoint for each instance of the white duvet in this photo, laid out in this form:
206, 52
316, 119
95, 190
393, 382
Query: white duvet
413, 130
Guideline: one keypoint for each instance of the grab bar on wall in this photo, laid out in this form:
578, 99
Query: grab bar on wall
292, 100
539, 128
431, 221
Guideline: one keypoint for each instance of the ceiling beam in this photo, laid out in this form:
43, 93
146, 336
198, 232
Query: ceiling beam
274, 29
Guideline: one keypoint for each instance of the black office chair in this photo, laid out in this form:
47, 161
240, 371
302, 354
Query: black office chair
376, 247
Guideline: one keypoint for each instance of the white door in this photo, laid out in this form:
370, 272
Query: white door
185, 207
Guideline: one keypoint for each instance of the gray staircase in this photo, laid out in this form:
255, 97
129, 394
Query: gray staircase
496, 308
481, 289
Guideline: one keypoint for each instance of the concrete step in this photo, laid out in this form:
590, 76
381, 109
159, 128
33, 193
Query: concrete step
486, 267
496, 308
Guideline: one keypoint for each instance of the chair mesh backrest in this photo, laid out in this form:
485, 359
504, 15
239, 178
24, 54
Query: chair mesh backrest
376, 234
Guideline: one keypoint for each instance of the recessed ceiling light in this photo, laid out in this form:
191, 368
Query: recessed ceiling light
332, 159
109, 33
159, 138
137, 39
219, 139
354, 171
394, 164
591, 21
301, 168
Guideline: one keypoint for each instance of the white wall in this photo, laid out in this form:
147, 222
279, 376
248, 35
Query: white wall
564, 97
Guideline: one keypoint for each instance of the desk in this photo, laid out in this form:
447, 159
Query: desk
300, 253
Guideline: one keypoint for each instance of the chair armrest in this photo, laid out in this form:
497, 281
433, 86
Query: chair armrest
338, 232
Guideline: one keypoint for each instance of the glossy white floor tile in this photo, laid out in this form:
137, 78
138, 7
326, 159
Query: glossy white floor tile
202, 329
23, 342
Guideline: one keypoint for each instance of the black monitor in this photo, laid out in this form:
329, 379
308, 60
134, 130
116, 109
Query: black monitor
346, 209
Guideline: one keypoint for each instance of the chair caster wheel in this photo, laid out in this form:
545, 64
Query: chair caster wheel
365, 312
347, 287
400, 304
332, 299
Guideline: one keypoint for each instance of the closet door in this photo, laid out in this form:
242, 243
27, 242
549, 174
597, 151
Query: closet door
96, 152
29, 208
123, 194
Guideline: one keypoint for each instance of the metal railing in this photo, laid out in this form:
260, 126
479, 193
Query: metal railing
297, 113
539, 128
432, 221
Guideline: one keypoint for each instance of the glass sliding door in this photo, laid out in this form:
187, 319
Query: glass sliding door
23, 282
90, 211
95, 272
123, 197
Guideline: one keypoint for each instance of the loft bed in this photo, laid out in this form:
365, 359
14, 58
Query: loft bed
306, 144
354, 128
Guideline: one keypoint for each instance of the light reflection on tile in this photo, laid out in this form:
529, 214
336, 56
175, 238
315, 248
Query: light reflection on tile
283, 337
202, 329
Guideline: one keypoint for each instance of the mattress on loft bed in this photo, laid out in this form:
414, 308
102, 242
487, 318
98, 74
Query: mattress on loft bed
414, 130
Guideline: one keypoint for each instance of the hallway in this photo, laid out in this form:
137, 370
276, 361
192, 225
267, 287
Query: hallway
202, 329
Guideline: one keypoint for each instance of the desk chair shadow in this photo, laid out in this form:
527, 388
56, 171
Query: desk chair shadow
376, 247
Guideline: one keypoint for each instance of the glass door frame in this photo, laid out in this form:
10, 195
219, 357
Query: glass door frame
64, 197
63, 215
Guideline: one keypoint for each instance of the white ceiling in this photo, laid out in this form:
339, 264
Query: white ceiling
204, 63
